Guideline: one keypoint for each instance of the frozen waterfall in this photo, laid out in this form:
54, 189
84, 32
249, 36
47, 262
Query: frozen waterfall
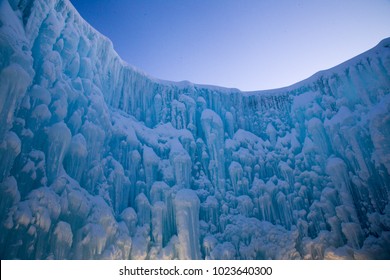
100, 161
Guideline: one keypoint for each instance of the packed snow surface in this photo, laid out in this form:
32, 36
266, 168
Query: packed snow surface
100, 161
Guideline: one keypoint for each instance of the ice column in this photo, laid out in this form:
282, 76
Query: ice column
59, 138
76, 157
9, 149
213, 129
151, 161
13, 83
178, 114
181, 162
346, 212
187, 219
337, 170
236, 172
62, 241
161, 192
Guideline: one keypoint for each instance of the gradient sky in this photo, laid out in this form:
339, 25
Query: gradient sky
247, 44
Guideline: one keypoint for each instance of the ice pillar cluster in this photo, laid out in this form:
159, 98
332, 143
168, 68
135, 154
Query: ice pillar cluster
101, 161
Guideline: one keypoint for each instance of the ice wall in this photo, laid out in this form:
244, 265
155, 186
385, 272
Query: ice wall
100, 161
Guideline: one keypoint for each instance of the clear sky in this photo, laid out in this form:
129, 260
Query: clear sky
246, 44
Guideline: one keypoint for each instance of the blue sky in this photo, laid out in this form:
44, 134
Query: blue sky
247, 44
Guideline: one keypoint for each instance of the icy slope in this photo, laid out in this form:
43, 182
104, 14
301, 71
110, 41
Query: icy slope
101, 161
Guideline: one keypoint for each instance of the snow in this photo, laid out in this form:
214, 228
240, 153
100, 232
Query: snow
98, 160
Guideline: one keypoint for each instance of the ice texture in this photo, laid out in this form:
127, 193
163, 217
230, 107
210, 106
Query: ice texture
187, 220
101, 161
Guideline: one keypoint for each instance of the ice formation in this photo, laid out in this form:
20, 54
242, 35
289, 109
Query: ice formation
100, 161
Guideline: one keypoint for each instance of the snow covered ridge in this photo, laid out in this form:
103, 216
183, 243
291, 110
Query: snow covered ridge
100, 161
